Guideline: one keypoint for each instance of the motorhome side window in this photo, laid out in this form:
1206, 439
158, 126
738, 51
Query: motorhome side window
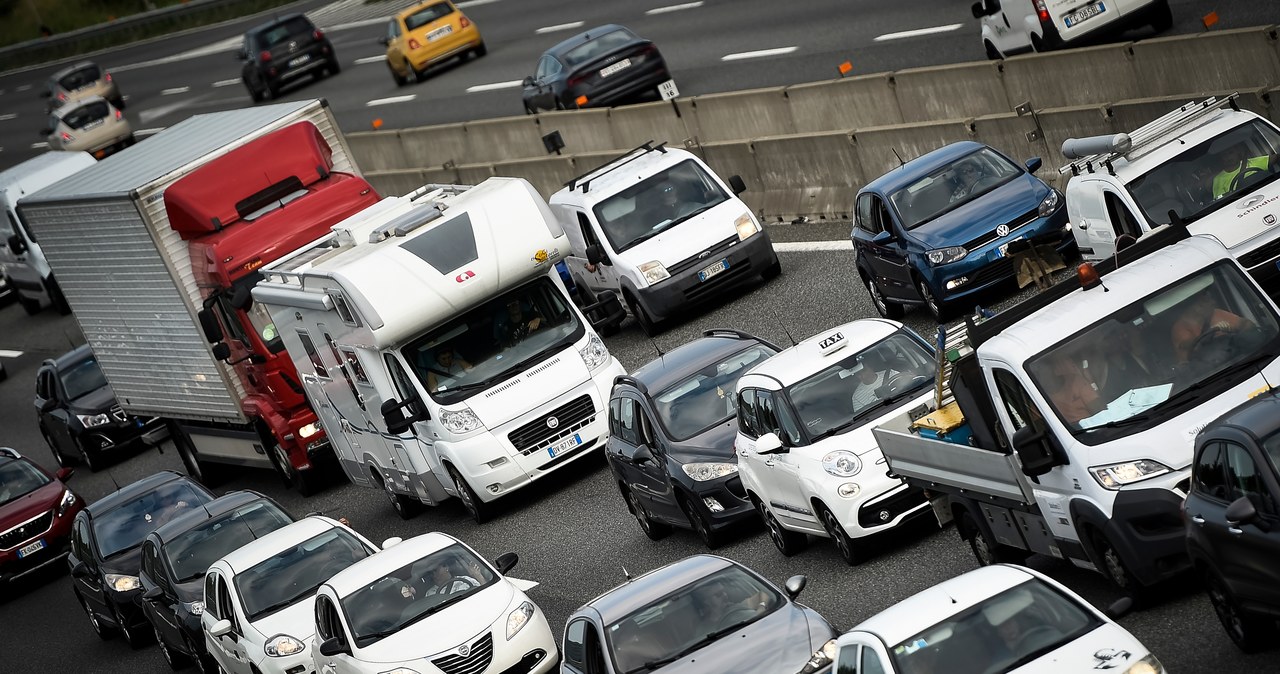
656, 203
337, 356
353, 362
310, 348
344, 310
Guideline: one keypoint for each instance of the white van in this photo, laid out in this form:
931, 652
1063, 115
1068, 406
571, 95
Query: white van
20, 256
658, 226
1016, 26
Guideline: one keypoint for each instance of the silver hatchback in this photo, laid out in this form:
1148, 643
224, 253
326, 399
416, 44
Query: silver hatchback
92, 124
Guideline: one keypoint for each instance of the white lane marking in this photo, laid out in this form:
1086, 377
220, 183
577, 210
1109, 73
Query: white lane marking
355, 24
148, 132
23, 87
5, 118
10, 354
560, 26
389, 101
371, 59
175, 90
37, 146
225, 83
811, 246
496, 85
918, 32
674, 8
473, 3
758, 54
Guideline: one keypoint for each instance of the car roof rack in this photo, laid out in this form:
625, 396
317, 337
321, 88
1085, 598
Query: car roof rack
738, 334
1096, 152
631, 381
10, 452
585, 179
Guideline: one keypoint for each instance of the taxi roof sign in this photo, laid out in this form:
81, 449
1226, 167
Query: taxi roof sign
832, 343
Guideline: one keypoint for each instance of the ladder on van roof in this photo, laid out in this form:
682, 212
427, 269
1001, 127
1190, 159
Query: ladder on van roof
1154, 135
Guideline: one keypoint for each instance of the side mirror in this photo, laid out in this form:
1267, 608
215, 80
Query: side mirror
882, 238
154, 594
392, 542
1034, 451
1241, 511
769, 443
643, 455
210, 325
64, 474
221, 351
596, 255
506, 561
795, 585
49, 405
528, 81
736, 182
1033, 164
16, 244
1119, 608
332, 647
81, 570
393, 415
220, 629
242, 298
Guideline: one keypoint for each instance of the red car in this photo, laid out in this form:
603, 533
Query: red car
36, 512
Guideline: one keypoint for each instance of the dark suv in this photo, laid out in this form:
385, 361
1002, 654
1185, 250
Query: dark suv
1233, 520
78, 413
672, 424
279, 52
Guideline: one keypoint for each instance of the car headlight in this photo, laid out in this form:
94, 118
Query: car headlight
1050, 203
309, 430
654, 272
946, 255
68, 500
122, 583
595, 353
195, 608
518, 619
841, 463
1118, 475
821, 658
1147, 665
701, 472
283, 645
460, 421
91, 420
746, 226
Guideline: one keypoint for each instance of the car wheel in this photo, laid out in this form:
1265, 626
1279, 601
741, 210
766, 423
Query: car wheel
937, 308
175, 660
656, 531
399, 79
62, 461
992, 53
850, 551
273, 91
132, 635
99, 628
418, 75
788, 542
529, 110
90, 458
480, 50
29, 305
710, 538
254, 93
884, 307
333, 67
1114, 568
647, 324
773, 271
480, 511
405, 506
1250, 633
986, 552
1162, 17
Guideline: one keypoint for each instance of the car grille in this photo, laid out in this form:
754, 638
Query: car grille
29, 529
884, 511
1015, 224
480, 654
570, 418
1259, 255
698, 259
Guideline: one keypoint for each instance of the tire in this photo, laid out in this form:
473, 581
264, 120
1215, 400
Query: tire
852, 553
1161, 17
985, 551
62, 461
883, 306
936, 307
773, 271
405, 506
710, 537
29, 305
1249, 632
418, 75
174, 659
480, 511
528, 110
56, 298
104, 632
992, 53
656, 531
399, 79
201, 472
204, 663
647, 324
333, 67
788, 542
272, 90
131, 635
254, 94
90, 459
1113, 567
480, 51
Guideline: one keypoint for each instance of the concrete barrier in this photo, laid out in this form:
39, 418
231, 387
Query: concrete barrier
810, 175
1230, 59
427, 146
743, 114
1072, 77
850, 103
877, 146
736, 158
1008, 133
548, 174
634, 125
503, 138
473, 174
582, 130
958, 91
377, 150
398, 182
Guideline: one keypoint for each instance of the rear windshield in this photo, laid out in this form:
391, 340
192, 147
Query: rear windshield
83, 77
85, 115
598, 47
426, 15
281, 32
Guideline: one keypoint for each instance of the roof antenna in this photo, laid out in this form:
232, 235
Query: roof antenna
626, 573
113, 480
895, 153
657, 348
783, 326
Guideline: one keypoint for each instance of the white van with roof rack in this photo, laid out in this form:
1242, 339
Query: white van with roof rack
1017, 26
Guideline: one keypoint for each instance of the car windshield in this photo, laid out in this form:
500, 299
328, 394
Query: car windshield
124, 527
1203, 178
296, 572
80, 78
844, 394
689, 619
494, 341
19, 478
282, 32
1003, 633
952, 186
192, 552
1157, 353
598, 46
409, 594
657, 203
82, 377
707, 397
426, 15
85, 115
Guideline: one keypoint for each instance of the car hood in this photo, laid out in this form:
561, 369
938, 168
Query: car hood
446, 630
190, 591
687, 238
1242, 225
125, 563
1108, 647
713, 444
30, 505
95, 401
297, 621
1002, 205
779, 643
544, 381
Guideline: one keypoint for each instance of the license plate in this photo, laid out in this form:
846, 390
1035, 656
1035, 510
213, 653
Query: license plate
713, 269
1003, 250
620, 65
565, 444
94, 124
1085, 13
31, 549
439, 33
300, 60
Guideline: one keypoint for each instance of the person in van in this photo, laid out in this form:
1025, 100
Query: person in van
448, 365
1235, 160
1202, 316
513, 325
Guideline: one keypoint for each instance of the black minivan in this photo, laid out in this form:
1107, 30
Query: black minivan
280, 52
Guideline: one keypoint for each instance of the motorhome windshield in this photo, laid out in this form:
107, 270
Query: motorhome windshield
1211, 174
657, 203
1149, 360
494, 341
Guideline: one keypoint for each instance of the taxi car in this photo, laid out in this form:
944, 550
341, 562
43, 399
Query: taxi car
426, 34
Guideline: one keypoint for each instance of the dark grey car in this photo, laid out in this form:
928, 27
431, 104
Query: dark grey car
700, 614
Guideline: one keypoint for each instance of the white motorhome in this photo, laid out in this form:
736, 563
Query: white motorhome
440, 347
1083, 406
1017, 26
658, 226
1210, 164
20, 256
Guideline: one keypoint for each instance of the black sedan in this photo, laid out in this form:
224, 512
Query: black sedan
281, 51
601, 67
78, 413
671, 430
175, 558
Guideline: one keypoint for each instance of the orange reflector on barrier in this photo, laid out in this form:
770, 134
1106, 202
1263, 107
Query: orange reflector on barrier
377, 123
1210, 20
581, 101
845, 68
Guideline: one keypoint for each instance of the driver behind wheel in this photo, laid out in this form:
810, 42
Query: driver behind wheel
444, 579
1196, 323
718, 611
1235, 163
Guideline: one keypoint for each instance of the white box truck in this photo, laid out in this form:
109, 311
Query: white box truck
437, 342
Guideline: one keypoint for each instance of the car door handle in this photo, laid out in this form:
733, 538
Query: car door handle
1197, 519
1235, 531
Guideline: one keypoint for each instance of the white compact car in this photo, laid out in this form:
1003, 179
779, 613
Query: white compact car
994, 620
806, 454
258, 600
427, 605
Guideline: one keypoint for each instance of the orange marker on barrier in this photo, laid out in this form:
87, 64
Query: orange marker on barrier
377, 123
1210, 20
582, 100
845, 68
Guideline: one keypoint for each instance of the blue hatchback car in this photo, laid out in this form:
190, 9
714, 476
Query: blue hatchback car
937, 230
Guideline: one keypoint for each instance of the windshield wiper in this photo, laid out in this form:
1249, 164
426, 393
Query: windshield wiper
276, 607
836, 429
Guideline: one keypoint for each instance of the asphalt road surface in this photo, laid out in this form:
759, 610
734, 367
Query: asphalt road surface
766, 43
572, 532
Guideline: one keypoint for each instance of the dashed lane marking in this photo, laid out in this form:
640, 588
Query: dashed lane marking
371, 59
560, 26
225, 83
496, 85
175, 90
918, 32
389, 101
779, 51
811, 246
674, 8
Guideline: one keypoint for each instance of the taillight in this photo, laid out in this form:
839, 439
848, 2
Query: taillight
574, 81
264, 56
66, 137
107, 77
1042, 11
119, 115
464, 22
62, 96
414, 44
318, 34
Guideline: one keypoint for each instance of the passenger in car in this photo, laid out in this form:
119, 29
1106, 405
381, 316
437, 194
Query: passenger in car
1199, 322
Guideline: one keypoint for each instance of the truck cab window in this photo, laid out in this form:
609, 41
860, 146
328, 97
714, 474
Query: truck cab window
1122, 221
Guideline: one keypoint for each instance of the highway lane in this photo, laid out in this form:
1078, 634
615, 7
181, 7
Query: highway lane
573, 533
165, 87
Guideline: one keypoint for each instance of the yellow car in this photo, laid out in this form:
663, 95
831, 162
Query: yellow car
426, 34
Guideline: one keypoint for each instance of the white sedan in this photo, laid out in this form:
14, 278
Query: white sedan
258, 615
428, 605
994, 620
